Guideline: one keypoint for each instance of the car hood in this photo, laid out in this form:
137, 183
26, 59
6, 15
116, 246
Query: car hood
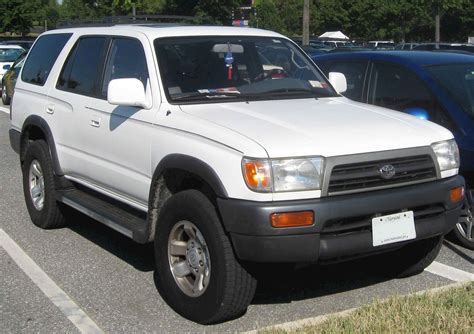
325, 126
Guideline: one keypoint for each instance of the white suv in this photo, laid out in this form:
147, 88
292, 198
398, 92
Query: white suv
225, 146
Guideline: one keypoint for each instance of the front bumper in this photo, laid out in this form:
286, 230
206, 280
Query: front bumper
342, 227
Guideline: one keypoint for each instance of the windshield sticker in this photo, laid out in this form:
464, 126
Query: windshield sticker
315, 83
276, 41
225, 90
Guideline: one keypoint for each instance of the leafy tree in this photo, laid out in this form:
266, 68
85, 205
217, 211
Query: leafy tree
18, 15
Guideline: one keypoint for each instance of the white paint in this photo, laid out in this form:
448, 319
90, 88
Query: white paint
54, 293
449, 272
5, 110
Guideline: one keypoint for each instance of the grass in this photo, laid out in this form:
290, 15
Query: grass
446, 311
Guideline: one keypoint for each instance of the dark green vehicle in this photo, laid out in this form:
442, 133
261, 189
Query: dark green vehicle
9, 80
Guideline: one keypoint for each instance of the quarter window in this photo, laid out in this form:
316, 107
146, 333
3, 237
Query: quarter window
42, 58
126, 60
82, 70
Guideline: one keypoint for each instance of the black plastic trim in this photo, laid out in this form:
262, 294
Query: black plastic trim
192, 165
15, 140
35, 120
254, 239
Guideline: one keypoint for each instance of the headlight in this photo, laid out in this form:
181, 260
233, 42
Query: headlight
447, 153
280, 175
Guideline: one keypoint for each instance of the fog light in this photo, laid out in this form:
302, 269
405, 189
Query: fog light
456, 194
292, 219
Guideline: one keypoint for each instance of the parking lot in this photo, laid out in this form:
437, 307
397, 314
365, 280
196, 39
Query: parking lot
110, 278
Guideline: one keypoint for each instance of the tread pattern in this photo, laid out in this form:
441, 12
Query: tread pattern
235, 287
51, 216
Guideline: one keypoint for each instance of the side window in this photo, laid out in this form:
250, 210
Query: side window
82, 70
354, 72
126, 60
42, 58
395, 87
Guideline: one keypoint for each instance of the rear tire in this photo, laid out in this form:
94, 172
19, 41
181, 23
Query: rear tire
409, 260
228, 288
39, 188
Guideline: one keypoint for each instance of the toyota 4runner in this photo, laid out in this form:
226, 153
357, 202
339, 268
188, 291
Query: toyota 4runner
225, 146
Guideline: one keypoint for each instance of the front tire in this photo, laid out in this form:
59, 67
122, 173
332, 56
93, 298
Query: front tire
39, 188
197, 273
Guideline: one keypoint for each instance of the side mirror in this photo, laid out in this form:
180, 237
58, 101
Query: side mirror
338, 81
6, 67
420, 113
128, 92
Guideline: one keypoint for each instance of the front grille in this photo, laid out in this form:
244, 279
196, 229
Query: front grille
360, 176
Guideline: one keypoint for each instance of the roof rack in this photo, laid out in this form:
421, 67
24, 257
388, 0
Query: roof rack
156, 20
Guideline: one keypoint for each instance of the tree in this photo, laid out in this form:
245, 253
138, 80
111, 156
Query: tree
18, 15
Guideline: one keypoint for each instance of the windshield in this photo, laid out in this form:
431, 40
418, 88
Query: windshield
9, 55
458, 80
200, 69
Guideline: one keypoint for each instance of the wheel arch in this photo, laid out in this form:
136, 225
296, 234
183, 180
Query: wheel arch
35, 127
178, 172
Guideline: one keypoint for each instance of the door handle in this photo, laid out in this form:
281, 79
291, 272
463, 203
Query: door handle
95, 122
50, 109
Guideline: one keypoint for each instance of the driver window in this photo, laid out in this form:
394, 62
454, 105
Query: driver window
126, 60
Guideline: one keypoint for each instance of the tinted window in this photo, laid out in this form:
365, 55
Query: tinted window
42, 58
458, 80
126, 60
355, 75
82, 69
237, 67
395, 87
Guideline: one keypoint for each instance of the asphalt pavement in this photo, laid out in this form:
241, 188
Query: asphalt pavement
110, 278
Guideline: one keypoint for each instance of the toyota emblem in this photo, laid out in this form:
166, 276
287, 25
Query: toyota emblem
387, 171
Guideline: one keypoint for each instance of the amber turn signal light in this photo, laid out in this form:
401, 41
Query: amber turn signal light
456, 194
292, 219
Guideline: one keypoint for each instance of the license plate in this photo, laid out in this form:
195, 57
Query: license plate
393, 228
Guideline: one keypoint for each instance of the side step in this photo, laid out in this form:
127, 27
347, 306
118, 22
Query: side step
114, 214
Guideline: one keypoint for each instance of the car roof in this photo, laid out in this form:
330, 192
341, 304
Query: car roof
419, 58
159, 30
10, 46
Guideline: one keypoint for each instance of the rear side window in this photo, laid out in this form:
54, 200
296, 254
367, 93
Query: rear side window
42, 58
82, 71
126, 60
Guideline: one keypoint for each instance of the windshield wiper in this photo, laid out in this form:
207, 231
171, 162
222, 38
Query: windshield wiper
283, 92
200, 96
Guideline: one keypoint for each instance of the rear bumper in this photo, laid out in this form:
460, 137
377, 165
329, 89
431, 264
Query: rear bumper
342, 227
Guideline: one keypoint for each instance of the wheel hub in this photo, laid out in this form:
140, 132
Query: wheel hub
189, 258
36, 183
195, 256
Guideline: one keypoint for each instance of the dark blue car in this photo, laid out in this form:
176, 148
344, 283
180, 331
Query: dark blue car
435, 86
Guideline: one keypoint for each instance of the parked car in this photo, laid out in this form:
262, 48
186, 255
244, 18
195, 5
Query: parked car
445, 47
381, 45
435, 86
177, 135
8, 55
406, 46
25, 44
9, 80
